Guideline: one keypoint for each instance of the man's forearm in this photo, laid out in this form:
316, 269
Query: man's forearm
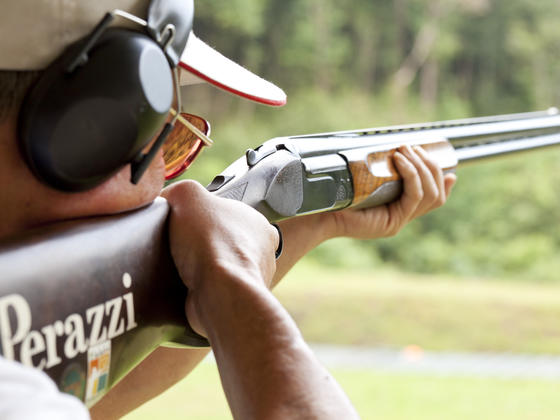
301, 235
159, 371
267, 370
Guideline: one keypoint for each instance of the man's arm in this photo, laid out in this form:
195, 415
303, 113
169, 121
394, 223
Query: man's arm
425, 188
267, 370
163, 368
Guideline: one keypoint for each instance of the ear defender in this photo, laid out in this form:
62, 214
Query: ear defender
97, 106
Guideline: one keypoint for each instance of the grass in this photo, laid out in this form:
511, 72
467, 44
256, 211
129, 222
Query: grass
378, 395
199, 397
388, 396
391, 309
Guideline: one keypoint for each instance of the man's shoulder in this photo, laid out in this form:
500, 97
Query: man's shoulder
25, 392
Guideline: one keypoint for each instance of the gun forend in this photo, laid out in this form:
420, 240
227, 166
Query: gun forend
375, 178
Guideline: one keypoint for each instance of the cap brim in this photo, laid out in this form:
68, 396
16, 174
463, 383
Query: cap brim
202, 62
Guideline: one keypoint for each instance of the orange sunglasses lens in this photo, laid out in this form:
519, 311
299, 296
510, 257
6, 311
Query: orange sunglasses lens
183, 146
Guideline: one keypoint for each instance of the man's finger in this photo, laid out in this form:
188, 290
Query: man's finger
436, 173
412, 188
449, 181
429, 187
279, 241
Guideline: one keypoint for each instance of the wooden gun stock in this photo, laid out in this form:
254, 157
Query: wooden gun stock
87, 300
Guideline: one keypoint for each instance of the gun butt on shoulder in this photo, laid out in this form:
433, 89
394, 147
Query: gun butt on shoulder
298, 175
86, 300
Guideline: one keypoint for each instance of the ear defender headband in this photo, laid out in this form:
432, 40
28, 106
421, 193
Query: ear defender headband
98, 105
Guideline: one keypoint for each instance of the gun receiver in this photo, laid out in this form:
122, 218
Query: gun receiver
291, 176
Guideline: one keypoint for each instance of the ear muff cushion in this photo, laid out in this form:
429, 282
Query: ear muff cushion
78, 129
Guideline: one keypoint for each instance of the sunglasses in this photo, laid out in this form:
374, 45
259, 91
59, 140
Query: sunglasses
184, 136
184, 143
181, 139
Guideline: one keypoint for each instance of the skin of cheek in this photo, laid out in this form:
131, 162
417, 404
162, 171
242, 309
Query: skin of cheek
118, 194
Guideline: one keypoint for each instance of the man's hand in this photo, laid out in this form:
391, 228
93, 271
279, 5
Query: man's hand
224, 251
214, 238
425, 188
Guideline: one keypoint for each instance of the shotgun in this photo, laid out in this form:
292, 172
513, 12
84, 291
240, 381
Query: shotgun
300, 175
127, 297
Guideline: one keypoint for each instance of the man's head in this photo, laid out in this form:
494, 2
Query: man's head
30, 42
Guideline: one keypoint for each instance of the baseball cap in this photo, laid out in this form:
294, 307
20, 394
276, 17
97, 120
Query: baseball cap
33, 33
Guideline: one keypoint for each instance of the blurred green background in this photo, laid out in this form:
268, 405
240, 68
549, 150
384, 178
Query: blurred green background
349, 64
479, 274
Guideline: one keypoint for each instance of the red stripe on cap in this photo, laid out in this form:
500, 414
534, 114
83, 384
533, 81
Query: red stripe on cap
261, 100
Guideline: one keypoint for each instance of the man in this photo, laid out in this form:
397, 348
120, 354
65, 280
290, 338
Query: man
267, 370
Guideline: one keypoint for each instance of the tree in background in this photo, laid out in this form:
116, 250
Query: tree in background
353, 63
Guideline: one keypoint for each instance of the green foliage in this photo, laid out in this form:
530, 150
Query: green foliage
502, 220
338, 62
